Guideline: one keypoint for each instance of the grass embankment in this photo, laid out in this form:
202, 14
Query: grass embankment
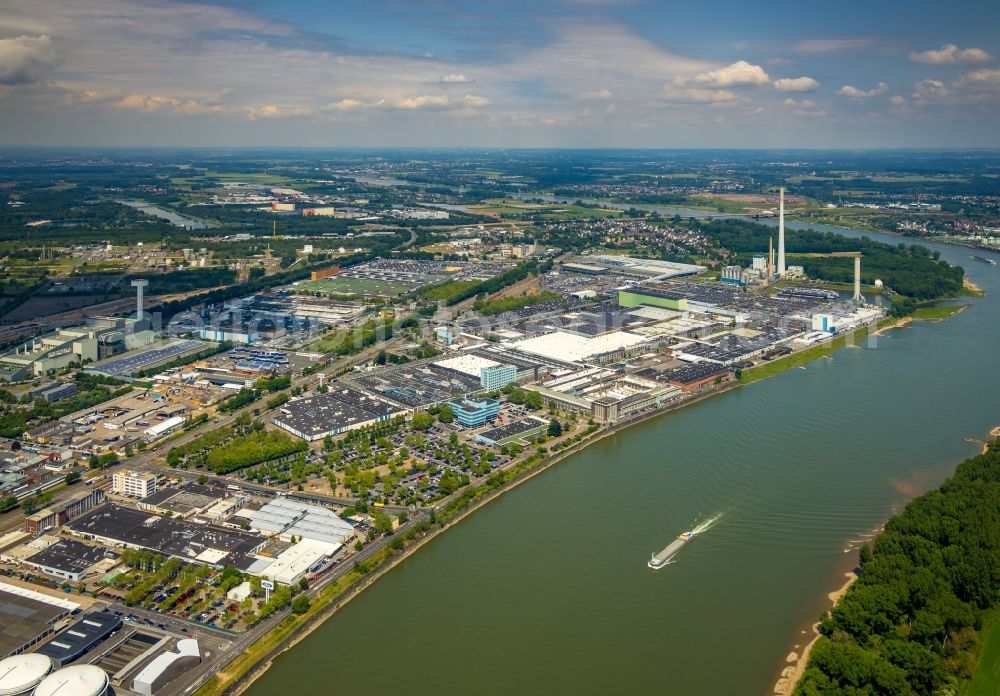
755, 374
759, 372
938, 313
986, 678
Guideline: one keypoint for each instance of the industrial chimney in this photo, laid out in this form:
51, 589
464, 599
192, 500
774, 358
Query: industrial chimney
781, 232
139, 284
857, 280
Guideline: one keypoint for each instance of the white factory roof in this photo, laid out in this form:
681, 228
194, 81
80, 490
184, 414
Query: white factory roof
20, 673
468, 364
240, 592
560, 345
211, 556
39, 597
76, 680
292, 564
648, 267
654, 313
284, 516
145, 680
164, 426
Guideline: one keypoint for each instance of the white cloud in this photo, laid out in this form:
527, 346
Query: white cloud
151, 103
926, 91
603, 93
984, 78
269, 111
929, 89
345, 105
454, 78
853, 92
475, 100
26, 59
698, 95
734, 75
796, 84
803, 108
421, 101
977, 87
949, 54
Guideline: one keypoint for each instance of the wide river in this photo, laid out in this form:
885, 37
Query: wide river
546, 590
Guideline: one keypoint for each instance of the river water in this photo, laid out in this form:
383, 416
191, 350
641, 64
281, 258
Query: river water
546, 590
175, 218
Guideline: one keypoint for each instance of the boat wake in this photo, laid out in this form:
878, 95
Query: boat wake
665, 557
708, 524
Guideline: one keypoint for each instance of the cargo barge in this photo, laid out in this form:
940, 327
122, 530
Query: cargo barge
661, 559
985, 260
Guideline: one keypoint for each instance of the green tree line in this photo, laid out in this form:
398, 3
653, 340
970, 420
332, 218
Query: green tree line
913, 271
909, 624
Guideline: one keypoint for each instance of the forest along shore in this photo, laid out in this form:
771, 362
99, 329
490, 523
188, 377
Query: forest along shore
792, 674
909, 624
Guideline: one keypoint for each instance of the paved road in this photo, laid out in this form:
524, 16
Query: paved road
196, 678
154, 458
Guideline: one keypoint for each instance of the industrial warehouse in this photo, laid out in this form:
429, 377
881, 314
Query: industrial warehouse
337, 411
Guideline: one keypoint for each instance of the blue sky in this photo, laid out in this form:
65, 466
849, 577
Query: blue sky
507, 73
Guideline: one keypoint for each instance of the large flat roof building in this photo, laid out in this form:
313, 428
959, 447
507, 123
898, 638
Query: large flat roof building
562, 345
653, 269
79, 638
27, 616
120, 526
67, 559
341, 409
287, 518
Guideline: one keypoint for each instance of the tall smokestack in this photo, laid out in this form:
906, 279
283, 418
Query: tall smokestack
781, 232
139, 284
857, 279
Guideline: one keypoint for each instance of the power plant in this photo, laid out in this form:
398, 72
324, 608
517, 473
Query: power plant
139, 284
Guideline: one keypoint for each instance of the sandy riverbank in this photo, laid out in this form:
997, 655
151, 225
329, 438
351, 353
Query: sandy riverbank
898, 323
796, 661
972, 287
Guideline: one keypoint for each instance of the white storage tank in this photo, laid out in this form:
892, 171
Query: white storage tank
19, 674
77, 680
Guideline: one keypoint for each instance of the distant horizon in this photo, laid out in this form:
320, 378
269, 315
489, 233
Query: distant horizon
603, 74
487, 148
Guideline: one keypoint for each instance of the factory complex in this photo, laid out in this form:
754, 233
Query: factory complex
656, 341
